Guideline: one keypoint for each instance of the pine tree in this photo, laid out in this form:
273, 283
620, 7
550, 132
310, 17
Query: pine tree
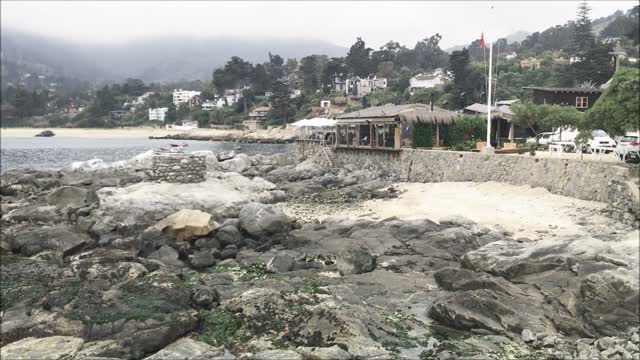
592, 60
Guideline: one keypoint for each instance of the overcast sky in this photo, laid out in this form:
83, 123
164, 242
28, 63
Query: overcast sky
336, 22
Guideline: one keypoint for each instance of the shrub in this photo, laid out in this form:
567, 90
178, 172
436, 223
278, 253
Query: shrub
422, 135
467, 129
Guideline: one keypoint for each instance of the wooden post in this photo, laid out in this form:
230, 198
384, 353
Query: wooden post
398, 136
358, 134
499, 121
371, 136
384, 135
512, 132
437, 135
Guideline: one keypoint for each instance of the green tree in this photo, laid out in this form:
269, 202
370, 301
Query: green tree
592, 58
279, 103
545, 117
616, 111
170, 116
183, 111
358, 60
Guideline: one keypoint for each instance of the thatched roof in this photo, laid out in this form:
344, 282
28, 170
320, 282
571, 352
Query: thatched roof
412, 113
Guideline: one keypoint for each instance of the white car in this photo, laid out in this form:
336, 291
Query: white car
601, 141
542, 139
628, 148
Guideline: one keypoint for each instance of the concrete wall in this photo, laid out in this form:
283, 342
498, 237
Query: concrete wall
587, 180
179, 168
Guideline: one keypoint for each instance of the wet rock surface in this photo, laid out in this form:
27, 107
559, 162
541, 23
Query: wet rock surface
107, 265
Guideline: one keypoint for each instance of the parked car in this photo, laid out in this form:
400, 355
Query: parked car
542, 139
600, 140
628, 148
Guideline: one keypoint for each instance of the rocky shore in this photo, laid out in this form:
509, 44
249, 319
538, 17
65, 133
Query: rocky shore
101, 262
263, 137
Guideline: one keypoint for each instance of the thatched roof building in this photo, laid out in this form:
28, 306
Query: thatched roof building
407, 113
391, 126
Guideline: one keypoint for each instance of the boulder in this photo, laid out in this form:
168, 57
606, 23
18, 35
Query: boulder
50, 256
188, 349
457, 220
104, 349
229, 252
186, 223
355, 261
238, 164
45, 133
32, 241
277, 355
204, 297
167, 255
261, 220
52, 348
229, 235
202, 259
323, 353
34, 213
280, 263
225, 155
67, 196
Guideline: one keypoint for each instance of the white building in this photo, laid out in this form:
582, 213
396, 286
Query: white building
186, 125
140, 99
158, 114
360, 87
182, 96
437, 78
210, 105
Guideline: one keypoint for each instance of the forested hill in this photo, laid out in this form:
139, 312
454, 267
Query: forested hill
162, 59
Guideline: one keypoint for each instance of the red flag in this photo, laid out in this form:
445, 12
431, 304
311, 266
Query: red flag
482, 40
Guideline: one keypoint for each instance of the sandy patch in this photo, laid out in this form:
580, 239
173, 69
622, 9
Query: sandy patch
525, 211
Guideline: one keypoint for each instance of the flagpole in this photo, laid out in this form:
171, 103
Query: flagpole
488, 147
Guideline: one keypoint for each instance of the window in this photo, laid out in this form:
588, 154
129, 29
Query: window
582, 102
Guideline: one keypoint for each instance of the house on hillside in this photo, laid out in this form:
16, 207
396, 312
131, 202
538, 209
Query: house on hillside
158, 114
259, 113
210, 105
117, 114
582, 98
437, 79
339, 84
530, 64
186, 96
360, 87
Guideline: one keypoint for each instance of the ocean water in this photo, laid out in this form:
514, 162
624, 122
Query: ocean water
59, 152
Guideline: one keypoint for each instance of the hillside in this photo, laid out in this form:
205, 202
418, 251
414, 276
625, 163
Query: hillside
161, 59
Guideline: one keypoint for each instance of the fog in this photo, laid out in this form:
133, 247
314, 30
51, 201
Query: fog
335, 22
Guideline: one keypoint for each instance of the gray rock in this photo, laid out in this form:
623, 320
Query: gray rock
32, 241
323, 353
457, 220
528, 336
202, 259
67, 196
260, 220
229, 235
277, 355
355, 261
605, 343
167, 255
204, 297
50, 256
52, 348
208, 243
280, 263
230, 252
188, 349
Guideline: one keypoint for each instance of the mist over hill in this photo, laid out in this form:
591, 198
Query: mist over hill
154, 60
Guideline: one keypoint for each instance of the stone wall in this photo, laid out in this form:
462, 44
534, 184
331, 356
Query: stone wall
314, 150
624, 201
179, 168
587, 180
